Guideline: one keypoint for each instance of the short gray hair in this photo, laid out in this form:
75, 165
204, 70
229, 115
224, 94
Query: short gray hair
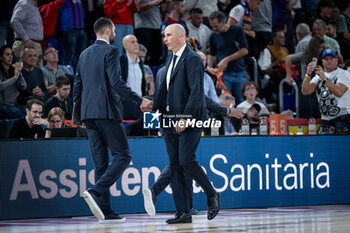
320, 21
225, 97
303, 29
142, 48
25, 48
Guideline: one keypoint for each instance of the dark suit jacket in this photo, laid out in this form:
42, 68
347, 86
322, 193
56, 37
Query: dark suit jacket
98, 86
124, 65
186, 89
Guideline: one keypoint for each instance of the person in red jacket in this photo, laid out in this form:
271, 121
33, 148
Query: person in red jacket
120, 12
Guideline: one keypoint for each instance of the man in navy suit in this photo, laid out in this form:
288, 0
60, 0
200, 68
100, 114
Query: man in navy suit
98, 89
181, 94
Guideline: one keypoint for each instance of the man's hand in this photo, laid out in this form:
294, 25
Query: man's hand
222, 65
37, 91
320, 72
18, 69
289, 79
41, 121
236, 113
146, 105
180, 126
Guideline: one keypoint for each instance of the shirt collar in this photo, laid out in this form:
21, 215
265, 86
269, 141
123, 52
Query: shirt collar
179, 53
132, 61
103, 40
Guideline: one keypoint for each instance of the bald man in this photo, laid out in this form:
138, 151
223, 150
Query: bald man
132, 72
181, 94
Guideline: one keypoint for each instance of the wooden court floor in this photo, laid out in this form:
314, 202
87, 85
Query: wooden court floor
302, 219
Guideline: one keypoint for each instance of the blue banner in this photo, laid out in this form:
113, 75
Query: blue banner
45, 178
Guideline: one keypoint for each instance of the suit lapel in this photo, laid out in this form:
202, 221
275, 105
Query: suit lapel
180, 63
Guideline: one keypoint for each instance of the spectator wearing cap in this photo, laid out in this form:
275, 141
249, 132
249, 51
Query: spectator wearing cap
250, 91
331, 84
28, 27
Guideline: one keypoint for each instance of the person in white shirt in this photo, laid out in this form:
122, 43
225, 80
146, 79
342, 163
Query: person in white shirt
332, 88
197, 29
250, 91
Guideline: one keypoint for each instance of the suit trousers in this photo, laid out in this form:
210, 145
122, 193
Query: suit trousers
107, 134
164, 180
181, 148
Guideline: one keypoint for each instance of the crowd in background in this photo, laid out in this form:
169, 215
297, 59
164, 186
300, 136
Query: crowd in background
41, 41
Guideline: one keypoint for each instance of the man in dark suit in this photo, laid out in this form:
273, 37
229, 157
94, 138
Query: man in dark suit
98, 89
181, 94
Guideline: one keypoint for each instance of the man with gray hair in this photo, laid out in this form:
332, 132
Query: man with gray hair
303, 36
319, 29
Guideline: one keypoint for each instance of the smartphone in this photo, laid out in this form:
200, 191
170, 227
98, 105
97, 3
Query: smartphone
314, 62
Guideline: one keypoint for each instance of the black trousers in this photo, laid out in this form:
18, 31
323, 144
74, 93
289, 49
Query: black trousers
103, 135
181, 148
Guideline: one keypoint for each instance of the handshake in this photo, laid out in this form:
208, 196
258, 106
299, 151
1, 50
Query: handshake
146, 105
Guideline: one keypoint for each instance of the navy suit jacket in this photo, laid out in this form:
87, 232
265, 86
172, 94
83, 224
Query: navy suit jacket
211, 104
98, 86
186, 90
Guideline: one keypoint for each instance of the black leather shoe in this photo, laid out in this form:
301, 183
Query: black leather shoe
196, 213
213, 205
94, 203
180, 218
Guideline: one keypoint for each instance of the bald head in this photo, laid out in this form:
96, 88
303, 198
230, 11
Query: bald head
174, 37
130, 44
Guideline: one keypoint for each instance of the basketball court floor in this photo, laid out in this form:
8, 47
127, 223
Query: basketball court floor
317, 219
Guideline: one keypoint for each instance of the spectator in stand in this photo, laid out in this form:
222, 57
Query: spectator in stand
250, 91
120, 12
52, 70
331, 31
176, 12
282, 20
278, 51
197, 30
207, 6
229, 125
34, 77
344, 28
133, 74
325, 10
331, 85
28, 27
148, 71
319, 28
304, 36
262, 26
11, 82
56, 120
33, 125
241, 15
310, 10
6, 31
61, 99
49, 14
72, 26
147, 29
209, 88
228, 55
308, 104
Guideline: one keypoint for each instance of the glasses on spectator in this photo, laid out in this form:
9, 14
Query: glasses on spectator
51, 51
31, 55
250, 89
37, 112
